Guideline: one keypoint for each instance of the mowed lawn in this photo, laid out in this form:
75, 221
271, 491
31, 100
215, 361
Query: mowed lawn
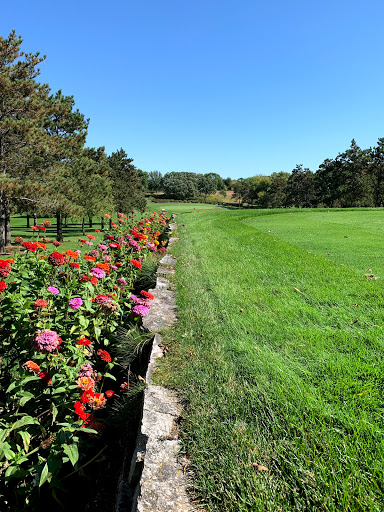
278, 356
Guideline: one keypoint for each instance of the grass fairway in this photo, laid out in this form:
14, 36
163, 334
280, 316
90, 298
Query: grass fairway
278, 354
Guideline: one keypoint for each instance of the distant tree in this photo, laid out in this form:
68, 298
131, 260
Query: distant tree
278, 189
228, 183
144, 179
207, 184
181, 185
128, 190
155, 181
241, 190
300, 187
21, 109
67, 129
327, 182
376, 172
346, 180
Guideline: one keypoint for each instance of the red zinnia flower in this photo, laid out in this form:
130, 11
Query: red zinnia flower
40, 304
56, 259
56, 243
97, 230
94, 280
3, 286
104, 355
147, 295
41, 228
91, 237
114, 246
109, 393
84, 341
34, 228
5, 268
47, 223
136, 263
46, 378
73, 264
107, 216
29, 246
110, 237
83, 278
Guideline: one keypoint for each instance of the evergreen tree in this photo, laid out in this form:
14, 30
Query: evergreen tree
21, 111
128, 190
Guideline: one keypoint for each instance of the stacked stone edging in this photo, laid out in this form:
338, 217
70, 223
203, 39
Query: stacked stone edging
162, 484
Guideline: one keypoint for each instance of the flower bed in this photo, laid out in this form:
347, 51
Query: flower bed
61, 374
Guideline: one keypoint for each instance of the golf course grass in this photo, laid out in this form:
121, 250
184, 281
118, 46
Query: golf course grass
278, 358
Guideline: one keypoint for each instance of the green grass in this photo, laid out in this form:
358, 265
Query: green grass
278, 355
71, 233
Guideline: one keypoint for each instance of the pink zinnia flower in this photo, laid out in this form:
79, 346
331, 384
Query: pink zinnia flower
122, 280
98, 272
75, 303
103, 247
53, 290
86, 370
46, 341
113, 267
140, 310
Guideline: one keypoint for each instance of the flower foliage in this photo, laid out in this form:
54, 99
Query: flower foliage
59, 314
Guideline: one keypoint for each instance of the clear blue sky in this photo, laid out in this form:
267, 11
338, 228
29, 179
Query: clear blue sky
234, 87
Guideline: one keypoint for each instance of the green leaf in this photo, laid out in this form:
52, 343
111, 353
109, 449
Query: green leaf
11, 470
72, 452
26, 437
97, 332
54, 413
89, 430
3, 435
5, 451
59, 390
25, 420
84, 322
44, 475
73, 329
110, 376
26, 395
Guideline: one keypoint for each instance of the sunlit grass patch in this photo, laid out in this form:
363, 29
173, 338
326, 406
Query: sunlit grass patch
279, 356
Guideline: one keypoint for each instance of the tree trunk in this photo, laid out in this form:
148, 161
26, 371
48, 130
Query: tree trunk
34, 219
7, 210
82, 227
90, 221
2, 223
28, 221
110, 223
102, 223
59, 227
66, 220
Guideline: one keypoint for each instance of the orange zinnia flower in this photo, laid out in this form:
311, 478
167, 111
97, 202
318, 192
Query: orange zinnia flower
89, 258
85, 383
32, 367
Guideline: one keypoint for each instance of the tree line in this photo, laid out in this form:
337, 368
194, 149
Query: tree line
45, 167
355, 178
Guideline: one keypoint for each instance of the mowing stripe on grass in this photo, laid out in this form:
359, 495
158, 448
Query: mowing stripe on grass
278, 354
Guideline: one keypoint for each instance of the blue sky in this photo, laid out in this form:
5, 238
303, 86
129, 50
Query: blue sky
234, 87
